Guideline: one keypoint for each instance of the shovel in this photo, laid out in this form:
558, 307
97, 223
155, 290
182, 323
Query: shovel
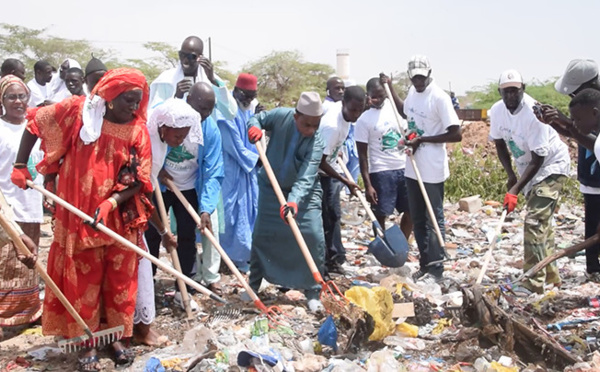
389, 247
127, 243
329, 289
273, 313
434, 222
104, 337
160, 203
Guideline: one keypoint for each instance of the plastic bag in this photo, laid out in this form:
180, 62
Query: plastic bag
328, 333
379, 304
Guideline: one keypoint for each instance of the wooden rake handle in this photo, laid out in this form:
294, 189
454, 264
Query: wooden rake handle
488, 255
160, 204
436, 227
290, 219
213, 241
126, 243
22, 248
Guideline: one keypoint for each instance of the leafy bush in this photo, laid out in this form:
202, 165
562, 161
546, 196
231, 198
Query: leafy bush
481, 174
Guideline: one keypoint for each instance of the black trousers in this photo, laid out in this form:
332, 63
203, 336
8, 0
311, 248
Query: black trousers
186, 231
592, 219
332, 214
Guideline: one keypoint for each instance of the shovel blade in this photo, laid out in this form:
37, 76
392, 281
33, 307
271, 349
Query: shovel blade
392, 250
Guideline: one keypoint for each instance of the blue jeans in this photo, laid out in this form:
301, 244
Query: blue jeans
427, 241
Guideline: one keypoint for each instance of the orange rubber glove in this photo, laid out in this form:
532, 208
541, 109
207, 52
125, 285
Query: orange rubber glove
288, 207
254, 134
510, 202
20, 176
102, 213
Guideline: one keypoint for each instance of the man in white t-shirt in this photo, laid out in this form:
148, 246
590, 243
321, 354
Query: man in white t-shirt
433, 122
335, 92
382, 163
581, 74
39, 86
334, 131
542, 162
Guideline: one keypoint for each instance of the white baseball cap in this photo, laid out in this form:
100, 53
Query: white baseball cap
510, 78
578, 71
418, 65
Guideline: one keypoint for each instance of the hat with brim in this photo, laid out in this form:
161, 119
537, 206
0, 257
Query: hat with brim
510, 79
419, 65
578, 72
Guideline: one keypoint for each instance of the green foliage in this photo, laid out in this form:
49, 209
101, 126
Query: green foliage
283, 75
476, 174
227, 76
401, 83
484, 97
31, 45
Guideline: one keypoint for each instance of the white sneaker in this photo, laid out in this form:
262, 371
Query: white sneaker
179, 301
315, 306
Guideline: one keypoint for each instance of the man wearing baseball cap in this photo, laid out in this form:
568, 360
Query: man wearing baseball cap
542, 162
433, 122
239, 187
579, 75
295, 151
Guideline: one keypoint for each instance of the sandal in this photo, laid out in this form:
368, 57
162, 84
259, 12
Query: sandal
216, 288
123, 357
89, 364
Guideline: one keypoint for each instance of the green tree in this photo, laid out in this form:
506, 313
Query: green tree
31, 45
283, 75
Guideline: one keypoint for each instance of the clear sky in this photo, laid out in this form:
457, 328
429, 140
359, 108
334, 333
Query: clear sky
468, 42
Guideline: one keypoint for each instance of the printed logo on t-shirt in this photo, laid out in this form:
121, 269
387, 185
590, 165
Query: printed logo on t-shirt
389, 141
179, 154
515, 150
412, 127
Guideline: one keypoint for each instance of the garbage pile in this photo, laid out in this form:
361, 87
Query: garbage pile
398, 325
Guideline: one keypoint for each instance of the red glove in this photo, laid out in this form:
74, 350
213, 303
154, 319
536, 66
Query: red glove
19, 177
254, 134
411, 136
102, 212
288, 207
510, 202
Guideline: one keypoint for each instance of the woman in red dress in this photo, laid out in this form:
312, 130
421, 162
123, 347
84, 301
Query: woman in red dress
100, 147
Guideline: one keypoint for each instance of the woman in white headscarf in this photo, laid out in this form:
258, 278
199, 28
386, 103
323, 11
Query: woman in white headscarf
169, 124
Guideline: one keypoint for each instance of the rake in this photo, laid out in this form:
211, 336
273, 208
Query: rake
127, 243
90, 339
328, 289
273, 313
160, 203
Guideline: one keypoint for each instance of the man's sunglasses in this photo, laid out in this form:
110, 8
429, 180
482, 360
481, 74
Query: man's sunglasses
189, 56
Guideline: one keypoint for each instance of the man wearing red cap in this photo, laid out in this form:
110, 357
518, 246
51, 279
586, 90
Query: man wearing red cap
239, 188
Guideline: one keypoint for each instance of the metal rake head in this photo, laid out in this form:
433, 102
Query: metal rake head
275, 314
96, 339
331, 294
222, 315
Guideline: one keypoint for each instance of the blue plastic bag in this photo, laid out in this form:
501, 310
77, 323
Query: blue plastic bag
328, 333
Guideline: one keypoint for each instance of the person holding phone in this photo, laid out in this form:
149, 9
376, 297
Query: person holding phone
193, 68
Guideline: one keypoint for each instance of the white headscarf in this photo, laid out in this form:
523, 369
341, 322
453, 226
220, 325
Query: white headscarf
176, 113
92, 116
